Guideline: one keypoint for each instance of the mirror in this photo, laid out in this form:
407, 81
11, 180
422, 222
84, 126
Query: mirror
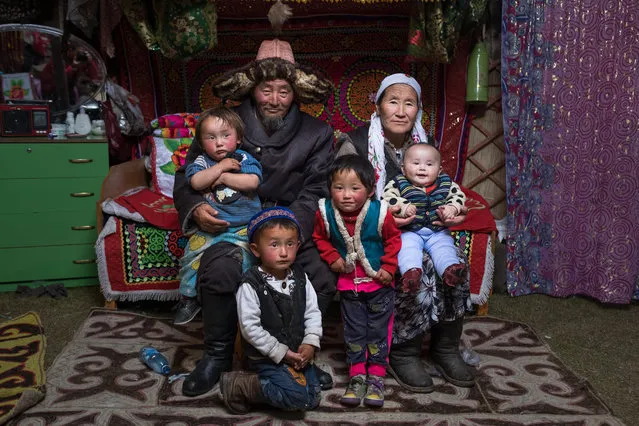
38, 65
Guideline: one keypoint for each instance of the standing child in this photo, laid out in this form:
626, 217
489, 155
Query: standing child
431, 196
228, 178
358, 239
279, 319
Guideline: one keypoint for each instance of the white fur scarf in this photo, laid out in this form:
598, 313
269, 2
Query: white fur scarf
354, 247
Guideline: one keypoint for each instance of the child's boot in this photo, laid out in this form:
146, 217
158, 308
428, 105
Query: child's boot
411, 280
240, 391
355, 391
374, 392
454, 274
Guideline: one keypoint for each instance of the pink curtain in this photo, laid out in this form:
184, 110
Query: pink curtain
570, 77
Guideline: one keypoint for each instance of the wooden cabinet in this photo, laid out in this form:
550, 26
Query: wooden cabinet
48, 193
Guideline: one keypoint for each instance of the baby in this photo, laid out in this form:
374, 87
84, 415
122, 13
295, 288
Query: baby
431, 196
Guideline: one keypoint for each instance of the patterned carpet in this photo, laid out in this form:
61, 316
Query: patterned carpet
97, 379
22, 348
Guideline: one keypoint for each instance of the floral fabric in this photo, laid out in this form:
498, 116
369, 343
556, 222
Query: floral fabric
167, 155
181, 30
572, 157
416, 313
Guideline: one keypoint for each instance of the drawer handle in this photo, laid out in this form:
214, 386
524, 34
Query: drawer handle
82, 194
84, 261
80, 160
83, 228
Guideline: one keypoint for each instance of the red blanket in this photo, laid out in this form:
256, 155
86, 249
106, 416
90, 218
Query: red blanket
474, 238
479, 218
145, 205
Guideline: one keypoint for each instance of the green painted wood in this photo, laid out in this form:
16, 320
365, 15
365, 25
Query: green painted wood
75, 282
46, 229
47, 263
50, 195
44, 160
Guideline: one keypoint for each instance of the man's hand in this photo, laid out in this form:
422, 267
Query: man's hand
456, 220
338, 266
384, 277
229, 165
400, 221
204, 216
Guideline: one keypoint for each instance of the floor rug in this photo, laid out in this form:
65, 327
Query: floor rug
22, 347
98, 379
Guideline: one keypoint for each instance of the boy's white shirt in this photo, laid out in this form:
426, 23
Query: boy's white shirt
249, 314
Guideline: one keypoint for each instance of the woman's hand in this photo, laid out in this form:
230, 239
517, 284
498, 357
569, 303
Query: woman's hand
447, 212
400, 221
453, 221
205, 217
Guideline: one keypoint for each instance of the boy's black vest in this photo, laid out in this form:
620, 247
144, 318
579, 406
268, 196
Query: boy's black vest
282, 315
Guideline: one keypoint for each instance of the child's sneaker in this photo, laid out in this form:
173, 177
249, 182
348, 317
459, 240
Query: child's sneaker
187, 309
355, 391
374, 392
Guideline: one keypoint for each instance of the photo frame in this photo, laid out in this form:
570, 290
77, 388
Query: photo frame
18, 86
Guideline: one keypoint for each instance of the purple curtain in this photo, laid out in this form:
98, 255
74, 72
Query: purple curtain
570, 82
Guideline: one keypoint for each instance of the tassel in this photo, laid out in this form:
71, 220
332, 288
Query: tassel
278, 14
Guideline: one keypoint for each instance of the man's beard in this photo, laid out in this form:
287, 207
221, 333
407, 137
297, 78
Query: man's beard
272, 124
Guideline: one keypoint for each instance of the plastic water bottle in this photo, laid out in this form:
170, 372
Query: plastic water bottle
469, 356
154, 359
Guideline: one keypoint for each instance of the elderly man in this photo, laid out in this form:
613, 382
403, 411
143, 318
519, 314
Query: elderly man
295, 151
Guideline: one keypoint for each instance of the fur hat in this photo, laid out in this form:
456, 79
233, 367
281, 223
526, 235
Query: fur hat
275, 61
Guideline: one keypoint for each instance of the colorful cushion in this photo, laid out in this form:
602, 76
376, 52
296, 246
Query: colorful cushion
167, 155
138, 261
175, 121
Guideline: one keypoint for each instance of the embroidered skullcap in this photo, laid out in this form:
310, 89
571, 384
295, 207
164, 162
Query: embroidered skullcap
269, 214
275, 49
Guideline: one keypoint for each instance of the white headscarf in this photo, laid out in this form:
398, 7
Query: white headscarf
376, 153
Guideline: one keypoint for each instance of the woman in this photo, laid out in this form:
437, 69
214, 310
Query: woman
435, 307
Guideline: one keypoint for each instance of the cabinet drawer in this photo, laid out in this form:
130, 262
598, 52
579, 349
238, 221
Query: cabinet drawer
50, 195
47, 263
40, 160
47, 229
